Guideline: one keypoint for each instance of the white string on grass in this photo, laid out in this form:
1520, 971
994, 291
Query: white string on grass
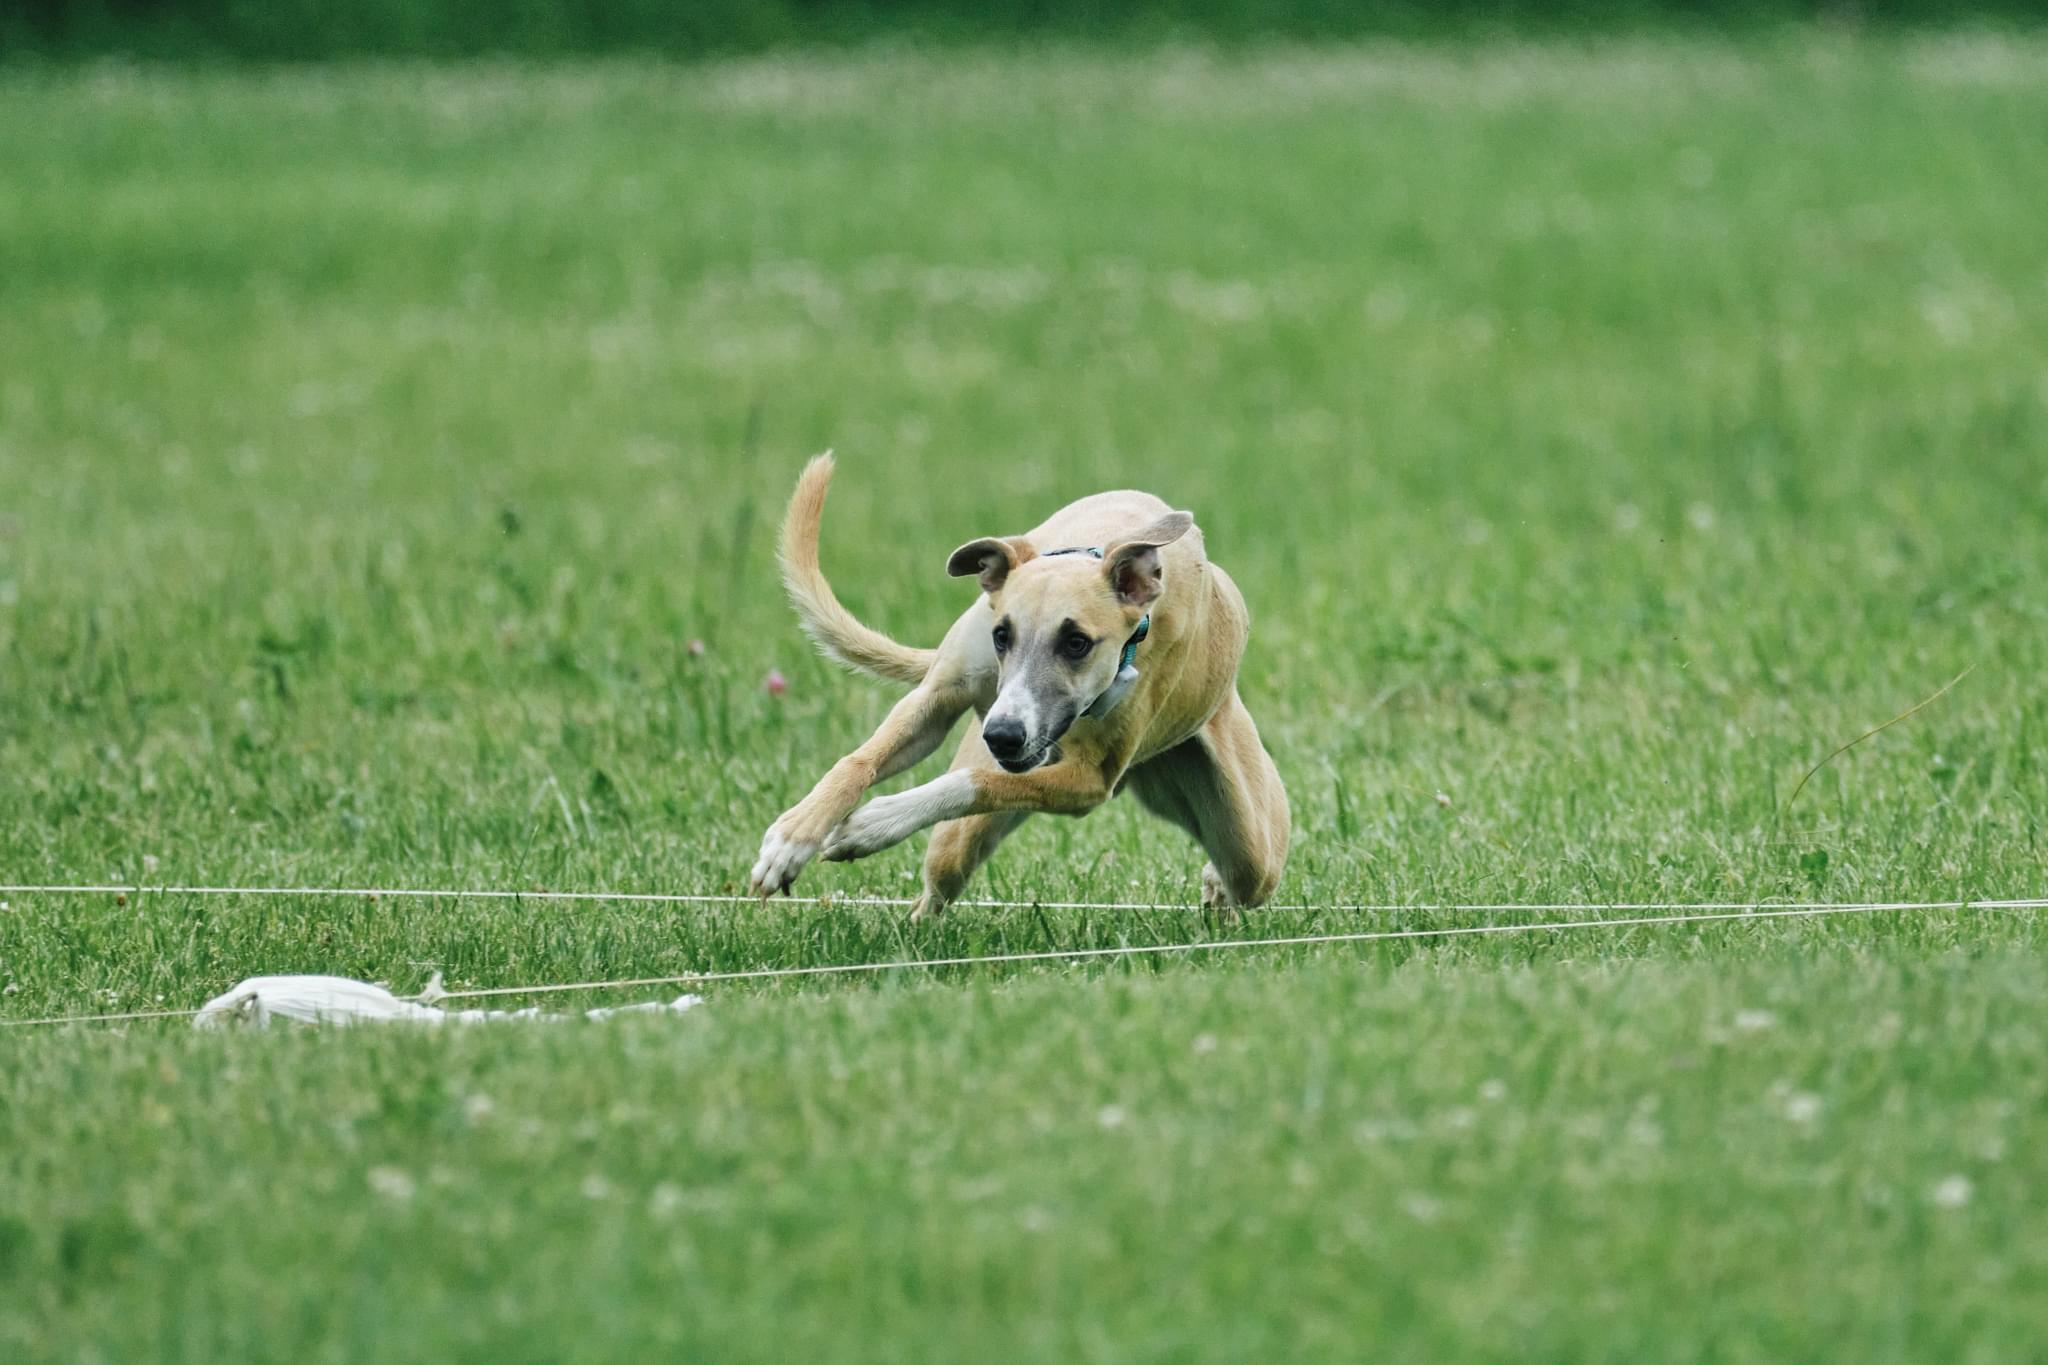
1690, 915
829, 900
1218, 945
99, 1018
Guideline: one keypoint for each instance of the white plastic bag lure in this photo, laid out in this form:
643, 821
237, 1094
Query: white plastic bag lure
340, 1000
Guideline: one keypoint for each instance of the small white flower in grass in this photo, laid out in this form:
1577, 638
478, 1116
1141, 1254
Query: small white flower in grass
1801, 1107
388, 1182
1112, 1116
1443, 799
1953, 1192
1948, 315
1422, 1208
664, 1200
1754, 1021
150, 863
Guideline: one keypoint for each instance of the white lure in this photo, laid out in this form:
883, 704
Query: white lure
340, 1000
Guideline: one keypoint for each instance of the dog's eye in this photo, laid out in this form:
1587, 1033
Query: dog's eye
1076, 646
1002, 638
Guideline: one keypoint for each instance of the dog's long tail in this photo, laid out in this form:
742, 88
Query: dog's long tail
832, 627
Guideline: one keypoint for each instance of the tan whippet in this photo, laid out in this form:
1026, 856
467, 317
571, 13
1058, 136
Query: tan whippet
1103, 653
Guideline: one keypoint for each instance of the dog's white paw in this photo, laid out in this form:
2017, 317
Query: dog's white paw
882, 823
782, 860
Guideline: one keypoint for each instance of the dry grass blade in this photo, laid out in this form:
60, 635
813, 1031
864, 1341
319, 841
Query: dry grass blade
1906, 714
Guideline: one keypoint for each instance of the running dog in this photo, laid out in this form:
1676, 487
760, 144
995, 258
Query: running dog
1103, 653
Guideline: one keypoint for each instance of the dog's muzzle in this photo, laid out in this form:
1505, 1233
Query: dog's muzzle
1025, 763
1010, 744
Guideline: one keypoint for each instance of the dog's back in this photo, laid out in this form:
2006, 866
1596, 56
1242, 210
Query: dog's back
1101, 519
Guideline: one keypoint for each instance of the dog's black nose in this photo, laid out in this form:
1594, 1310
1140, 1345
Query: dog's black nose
1005, 738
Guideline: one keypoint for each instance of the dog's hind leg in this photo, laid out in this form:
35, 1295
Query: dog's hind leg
1221, 786
960, 846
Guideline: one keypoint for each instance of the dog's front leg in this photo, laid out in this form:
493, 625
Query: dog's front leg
915, 726
1061, 789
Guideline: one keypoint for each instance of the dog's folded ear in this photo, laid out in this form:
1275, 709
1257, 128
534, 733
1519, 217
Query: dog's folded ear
1132, 564
991, 559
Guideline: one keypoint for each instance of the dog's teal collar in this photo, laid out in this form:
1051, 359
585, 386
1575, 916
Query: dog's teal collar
1126, 673
1137, 638
1127, 667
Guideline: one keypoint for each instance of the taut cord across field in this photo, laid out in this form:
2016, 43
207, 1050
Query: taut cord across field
1676, 914
828, 900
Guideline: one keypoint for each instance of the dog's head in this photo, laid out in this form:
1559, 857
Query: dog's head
1058, 623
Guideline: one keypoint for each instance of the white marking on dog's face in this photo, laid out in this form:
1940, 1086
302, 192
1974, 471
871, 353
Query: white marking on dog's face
1058, 632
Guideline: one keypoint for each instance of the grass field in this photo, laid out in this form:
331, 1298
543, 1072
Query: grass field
1601, 435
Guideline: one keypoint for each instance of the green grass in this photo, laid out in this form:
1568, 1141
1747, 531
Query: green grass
1600, 436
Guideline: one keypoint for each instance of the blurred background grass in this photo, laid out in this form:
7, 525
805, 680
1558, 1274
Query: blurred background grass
319, 29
